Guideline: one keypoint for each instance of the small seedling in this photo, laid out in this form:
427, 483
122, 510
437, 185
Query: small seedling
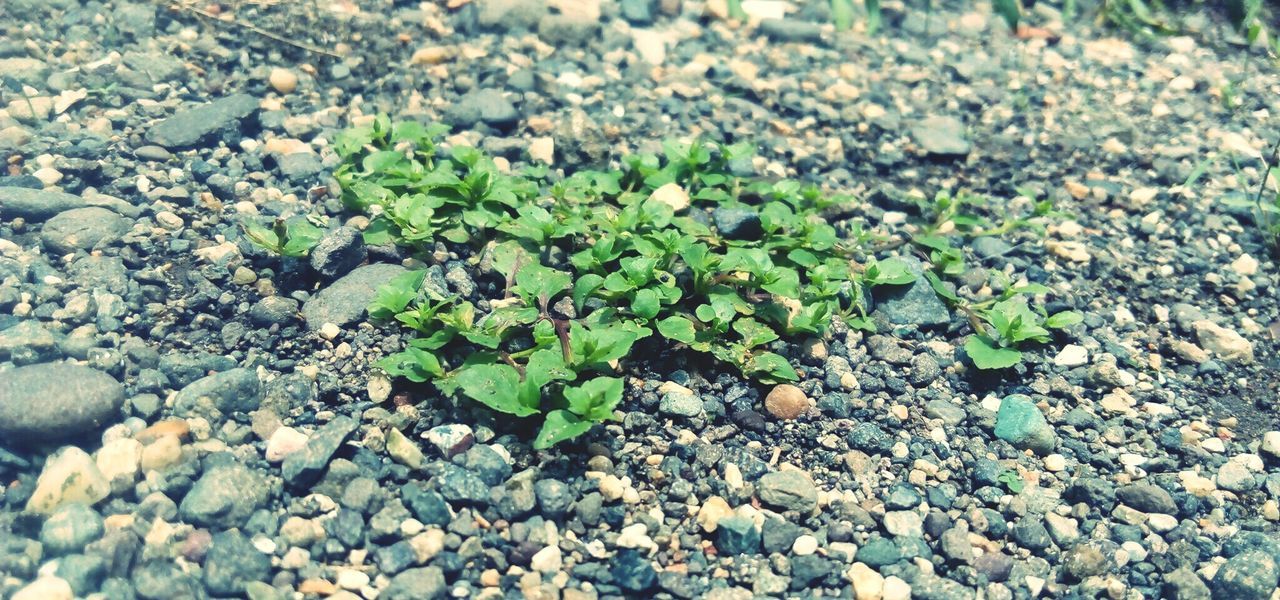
293, 237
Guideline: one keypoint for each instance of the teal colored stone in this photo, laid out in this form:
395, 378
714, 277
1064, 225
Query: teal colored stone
1021, 423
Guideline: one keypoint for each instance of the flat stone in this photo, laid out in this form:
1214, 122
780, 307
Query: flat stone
345, 301
188, 128
54, 401
912, 304
35, 205
220, 394
788, 490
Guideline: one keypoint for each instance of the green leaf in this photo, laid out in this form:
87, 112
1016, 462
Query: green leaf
393, 296
495, 386
1063, 319
1010, 11
560, 425
873, 16
536, 283
646, 304
677, 328
600, 345
770, 368
986, 355
890, 271
594, 399
754, 333
584, 287
413, 364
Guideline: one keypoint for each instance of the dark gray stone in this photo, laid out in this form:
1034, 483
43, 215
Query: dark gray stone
791, 30
236, 390
737, 223
188, 128
232, 562
345, 300
426, 583
305, 466
338, 252
1148, 498
273, 310
86, 228
913, 304
54, 401
485, 105
224, 497
35, 205
632, 571
300, 166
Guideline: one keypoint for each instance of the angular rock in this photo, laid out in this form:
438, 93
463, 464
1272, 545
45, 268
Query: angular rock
913, 304
1020, 422
70, 476
236, 390
338, 252
788, 490
426, 583
54, 401
307, 465
1249, 575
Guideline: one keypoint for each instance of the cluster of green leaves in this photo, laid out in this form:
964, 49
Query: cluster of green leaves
1265, 203
594, 265
1007, 322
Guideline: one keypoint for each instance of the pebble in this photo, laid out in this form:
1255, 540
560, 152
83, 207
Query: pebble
786, 402
283, 80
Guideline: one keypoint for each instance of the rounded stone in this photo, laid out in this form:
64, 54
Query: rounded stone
55, 401
283, 80
83, 229
786, 402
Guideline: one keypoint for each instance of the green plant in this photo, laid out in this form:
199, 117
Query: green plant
587, 267
293, 237
1009, 322
1012, 481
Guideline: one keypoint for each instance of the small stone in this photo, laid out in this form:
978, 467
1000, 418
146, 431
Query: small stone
1270, 444
306, 465
786, 402
737, 223
866, 582
1055, 463
54, 401
672, 195
161, 454
543, 149
189, 127
1020, 422
1147, 498
788, 490
224, 497
547, 560
737, 535
1071, 355
1234, 476
1250, 575
283, 80
632, 571
713, 509
119, 460
69, 476
904, 523
451, 440
1245, 266
69, 529
283, 442
403, 450
805, 545
680, 405
1224, 343
941, 136
45, 588
1183, 584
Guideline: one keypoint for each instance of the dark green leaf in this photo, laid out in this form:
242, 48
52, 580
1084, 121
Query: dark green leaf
560, 425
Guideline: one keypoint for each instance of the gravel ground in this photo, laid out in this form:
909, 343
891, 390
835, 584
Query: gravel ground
183, 415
